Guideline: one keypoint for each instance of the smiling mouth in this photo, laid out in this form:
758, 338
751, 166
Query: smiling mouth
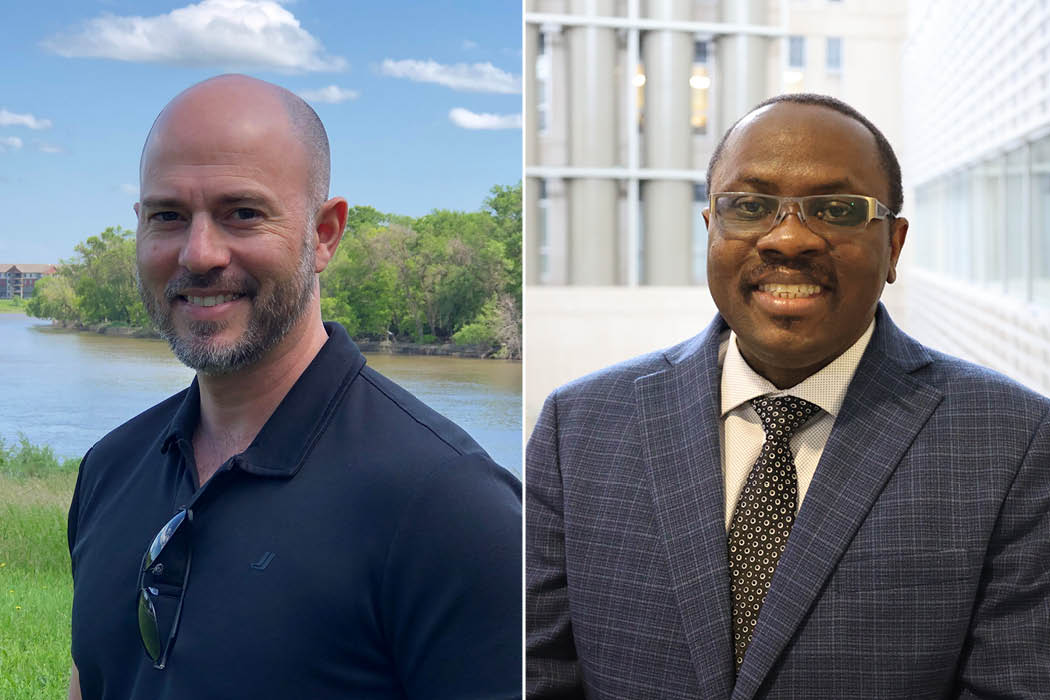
790, 291
210, 301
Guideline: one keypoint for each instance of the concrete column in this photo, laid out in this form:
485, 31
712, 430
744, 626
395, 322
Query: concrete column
668, 58
593, 228
741, 63
531, 134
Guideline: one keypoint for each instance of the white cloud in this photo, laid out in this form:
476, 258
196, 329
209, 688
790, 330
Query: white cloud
13, 119
469, 45
10, 142
228, 33
49, 148
473, 77
472, 120
333, 94
127, 188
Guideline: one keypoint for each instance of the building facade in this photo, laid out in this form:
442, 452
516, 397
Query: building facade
627, 99
976, 81
17, 281
626, 114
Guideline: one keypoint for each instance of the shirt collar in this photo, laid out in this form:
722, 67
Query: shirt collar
285, 440
185, 420
827, 388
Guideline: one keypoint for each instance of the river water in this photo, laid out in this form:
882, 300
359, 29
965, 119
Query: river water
66, 388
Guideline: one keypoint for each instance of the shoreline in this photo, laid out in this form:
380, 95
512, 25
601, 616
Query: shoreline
106, 329
385, 347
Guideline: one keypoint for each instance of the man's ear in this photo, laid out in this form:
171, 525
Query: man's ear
898, 232
329, 226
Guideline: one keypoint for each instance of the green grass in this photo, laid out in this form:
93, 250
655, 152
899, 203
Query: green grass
35, 587
12, 306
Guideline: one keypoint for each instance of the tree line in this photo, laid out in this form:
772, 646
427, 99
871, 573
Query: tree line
447, 276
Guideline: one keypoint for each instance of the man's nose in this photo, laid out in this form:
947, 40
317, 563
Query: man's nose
791, 238
205, 247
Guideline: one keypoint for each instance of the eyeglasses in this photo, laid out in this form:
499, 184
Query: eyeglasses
162, 586
752, 214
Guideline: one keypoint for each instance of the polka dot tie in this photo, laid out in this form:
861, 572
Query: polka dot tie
765, 512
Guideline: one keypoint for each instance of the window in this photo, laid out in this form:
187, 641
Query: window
796, 52
700, 52
1041, 220
543, 84
989, 218
544, 231
1016, 224
923, 248
957, 218
796, 61
834, 54
700, 84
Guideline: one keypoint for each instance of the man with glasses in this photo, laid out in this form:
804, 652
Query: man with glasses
292, 525
801, 501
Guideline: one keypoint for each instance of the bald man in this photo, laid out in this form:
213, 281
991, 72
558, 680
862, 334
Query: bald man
292, 524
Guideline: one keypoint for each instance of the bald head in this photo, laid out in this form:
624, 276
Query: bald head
229, 102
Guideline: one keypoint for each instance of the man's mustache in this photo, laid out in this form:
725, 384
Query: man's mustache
816, 272
213, 279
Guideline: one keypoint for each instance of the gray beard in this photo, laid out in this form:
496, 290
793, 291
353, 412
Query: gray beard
270, 319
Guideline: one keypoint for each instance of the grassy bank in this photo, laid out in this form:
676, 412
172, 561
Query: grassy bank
12, 306
35, 588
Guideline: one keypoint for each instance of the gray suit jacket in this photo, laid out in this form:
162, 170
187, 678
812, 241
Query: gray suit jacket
918, 566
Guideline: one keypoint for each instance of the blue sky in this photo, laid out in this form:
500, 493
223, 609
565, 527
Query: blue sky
422, 100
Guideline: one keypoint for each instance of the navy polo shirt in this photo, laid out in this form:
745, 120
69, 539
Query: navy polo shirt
386, 545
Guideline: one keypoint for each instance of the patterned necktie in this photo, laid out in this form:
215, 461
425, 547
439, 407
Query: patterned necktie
759, 529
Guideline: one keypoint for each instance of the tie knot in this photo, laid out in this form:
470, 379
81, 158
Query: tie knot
782, 415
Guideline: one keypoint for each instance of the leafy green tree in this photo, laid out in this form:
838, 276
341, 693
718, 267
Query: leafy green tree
497, 326
55, 298
504, 206
460, 267
336, 308
359, 219
448, 274
105, 279
398, 245
97, 285
359, 287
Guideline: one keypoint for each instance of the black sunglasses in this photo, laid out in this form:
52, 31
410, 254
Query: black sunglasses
162, 586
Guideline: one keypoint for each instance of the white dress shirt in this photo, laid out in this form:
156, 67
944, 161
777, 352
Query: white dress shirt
741, 430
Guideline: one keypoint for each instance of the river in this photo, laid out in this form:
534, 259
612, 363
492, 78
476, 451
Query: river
67, 388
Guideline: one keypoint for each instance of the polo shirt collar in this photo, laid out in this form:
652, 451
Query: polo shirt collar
826, 388
285, 440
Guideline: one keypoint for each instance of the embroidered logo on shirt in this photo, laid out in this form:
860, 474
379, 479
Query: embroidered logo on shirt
263, 562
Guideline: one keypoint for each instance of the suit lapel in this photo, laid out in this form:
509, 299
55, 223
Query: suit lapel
679, 419
883, 411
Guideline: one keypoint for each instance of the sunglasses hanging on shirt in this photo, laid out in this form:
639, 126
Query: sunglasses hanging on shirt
162, 583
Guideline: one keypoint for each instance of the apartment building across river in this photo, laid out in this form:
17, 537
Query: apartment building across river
17, 280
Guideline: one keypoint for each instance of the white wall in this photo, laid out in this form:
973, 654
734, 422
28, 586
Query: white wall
572, 331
